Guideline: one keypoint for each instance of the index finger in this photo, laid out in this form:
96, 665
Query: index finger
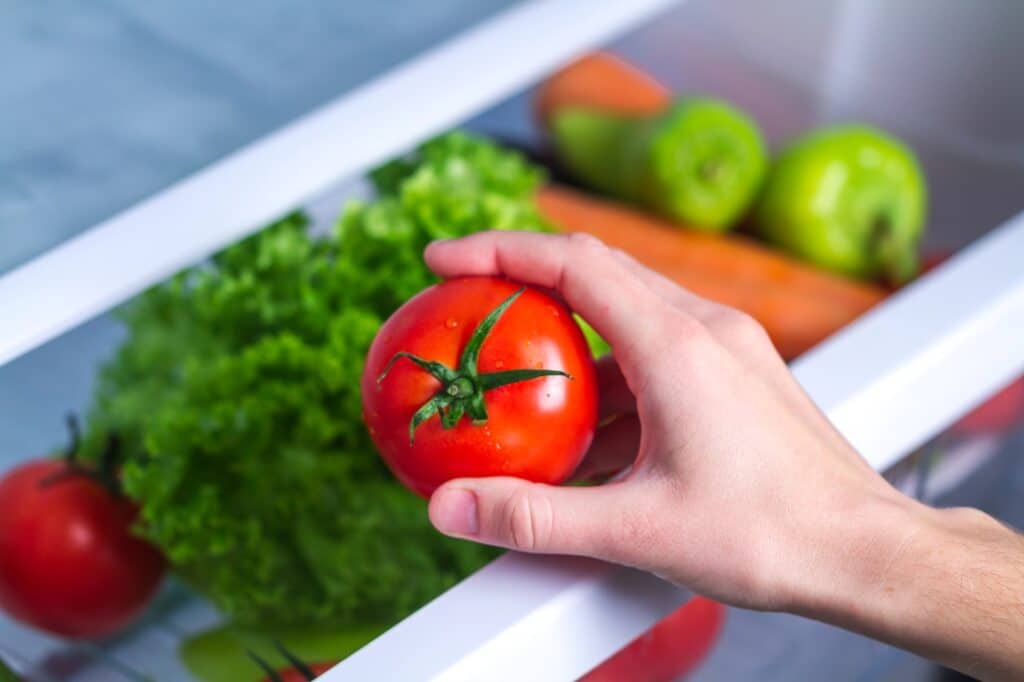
581, 269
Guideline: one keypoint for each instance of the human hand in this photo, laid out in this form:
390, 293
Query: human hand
737, 486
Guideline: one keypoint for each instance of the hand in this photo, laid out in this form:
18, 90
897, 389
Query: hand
737, 485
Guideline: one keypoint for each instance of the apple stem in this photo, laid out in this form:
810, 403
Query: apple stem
899, 263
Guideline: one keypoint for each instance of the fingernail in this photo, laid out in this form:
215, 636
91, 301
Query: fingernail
454, 511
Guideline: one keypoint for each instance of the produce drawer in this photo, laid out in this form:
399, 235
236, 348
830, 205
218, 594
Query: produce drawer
891, 382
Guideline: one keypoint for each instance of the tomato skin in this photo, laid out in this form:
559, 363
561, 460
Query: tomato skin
671, 648
293, 675
537, 429
68, 561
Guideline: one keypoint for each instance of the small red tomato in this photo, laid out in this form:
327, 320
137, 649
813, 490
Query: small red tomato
297, 675
479, 376
69, 563
669, 650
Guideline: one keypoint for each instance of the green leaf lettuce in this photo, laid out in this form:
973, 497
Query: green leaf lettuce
236, 393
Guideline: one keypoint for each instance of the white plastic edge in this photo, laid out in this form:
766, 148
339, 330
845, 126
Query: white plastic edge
148, 242
889, 382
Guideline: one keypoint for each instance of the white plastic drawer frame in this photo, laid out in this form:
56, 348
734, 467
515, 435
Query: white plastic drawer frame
889, 381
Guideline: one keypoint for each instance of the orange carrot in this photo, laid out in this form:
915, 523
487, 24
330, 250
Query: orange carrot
602, 81
797, 304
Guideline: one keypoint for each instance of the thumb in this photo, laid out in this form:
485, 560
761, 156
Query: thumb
531, 517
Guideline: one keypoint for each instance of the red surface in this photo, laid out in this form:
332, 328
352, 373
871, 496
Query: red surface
537, 429
669, 650
293, 675
68, 561
1002, 412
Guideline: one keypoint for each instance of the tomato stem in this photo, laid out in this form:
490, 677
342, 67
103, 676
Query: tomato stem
294, 660
462, 390
272, 674
75, 438
104, 473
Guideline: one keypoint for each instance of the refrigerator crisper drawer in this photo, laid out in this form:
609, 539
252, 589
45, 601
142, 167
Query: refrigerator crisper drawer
891, 381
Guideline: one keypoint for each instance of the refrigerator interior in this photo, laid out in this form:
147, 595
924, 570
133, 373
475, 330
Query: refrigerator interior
948, 83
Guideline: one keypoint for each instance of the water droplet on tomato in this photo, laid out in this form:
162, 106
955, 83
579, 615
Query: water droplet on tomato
451, 323
539, 365
499, 364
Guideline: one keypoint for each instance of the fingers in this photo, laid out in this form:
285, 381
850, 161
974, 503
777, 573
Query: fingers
740, 334
673, 293
735, 330
614, 448
531, 517
585, 272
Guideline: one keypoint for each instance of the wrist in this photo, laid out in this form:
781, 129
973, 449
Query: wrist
858, 562
923, 579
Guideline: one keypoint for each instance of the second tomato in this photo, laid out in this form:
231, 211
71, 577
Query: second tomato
480, 376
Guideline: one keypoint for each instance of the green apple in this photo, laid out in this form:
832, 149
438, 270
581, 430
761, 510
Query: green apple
850, 199
700, 162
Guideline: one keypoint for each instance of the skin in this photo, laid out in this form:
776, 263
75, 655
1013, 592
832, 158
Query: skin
738, 487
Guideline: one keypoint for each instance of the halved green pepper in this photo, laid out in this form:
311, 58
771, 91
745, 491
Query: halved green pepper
700, 162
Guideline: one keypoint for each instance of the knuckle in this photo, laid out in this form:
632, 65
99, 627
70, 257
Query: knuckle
529, 521
687, 331
584, 242
678, 336
624, 258
586, 248
581, 253
739, 327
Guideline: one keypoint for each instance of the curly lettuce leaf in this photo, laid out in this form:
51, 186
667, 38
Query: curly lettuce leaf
236, 393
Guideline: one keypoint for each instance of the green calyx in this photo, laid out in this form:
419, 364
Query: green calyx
296, 663
462, 389
104, 472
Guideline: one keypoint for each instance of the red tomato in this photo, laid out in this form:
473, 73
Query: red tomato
296, 675
1000, 413
669, 650
536, 427
69, 563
